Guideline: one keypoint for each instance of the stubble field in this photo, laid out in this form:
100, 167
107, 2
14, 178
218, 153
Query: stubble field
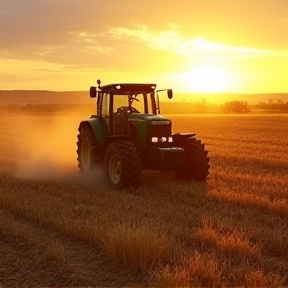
58, 228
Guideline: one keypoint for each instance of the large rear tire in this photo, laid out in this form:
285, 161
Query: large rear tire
123, 165
196, 161
87, 149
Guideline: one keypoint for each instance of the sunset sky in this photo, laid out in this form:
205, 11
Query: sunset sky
189, 45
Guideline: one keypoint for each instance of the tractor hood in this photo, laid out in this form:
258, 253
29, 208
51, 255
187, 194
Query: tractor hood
146, 117
149, 126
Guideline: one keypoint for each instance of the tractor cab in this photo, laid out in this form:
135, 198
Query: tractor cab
128, 95
119, 106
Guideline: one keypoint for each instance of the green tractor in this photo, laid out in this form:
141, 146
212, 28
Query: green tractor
128, 134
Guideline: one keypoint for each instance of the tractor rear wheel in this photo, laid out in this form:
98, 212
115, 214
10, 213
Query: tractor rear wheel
123, 164
87, 149
196, 161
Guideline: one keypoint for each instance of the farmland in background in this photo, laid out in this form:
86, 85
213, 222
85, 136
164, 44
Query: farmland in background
58, 228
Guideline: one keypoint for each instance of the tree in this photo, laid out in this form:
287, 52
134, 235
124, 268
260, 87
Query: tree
236, 107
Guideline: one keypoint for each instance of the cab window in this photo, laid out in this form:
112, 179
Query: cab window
119, 101
105, 105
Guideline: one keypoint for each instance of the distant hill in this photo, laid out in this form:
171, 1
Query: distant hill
24, 97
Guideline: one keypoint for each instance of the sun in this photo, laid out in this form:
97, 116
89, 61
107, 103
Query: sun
206, 79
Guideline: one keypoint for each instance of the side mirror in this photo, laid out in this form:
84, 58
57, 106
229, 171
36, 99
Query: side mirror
93, 92
170, 93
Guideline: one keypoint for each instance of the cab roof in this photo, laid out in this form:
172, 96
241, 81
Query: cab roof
128, 88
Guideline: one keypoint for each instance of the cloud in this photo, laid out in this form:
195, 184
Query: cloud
90, 42
9, 66
66, 31
118, 49
171, 40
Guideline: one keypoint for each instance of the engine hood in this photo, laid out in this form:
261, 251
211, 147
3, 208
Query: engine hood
146, 117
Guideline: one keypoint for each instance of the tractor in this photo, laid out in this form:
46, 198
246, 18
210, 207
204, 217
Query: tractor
128, 134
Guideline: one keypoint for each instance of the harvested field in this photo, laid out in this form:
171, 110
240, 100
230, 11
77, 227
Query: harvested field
58, 228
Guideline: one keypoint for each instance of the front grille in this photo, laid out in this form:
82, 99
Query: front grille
158, 131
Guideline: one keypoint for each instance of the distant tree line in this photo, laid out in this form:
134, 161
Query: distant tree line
235, 107
274, 107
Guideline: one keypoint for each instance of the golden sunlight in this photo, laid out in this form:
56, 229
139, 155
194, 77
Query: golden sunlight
207, 79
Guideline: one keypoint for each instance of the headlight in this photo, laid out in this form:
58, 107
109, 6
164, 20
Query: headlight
160, 122
162, 139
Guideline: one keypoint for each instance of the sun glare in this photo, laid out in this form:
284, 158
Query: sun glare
206, 79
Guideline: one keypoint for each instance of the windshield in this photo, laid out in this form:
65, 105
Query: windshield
134, 103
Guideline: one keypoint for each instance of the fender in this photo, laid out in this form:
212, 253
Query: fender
181, 138
100, 129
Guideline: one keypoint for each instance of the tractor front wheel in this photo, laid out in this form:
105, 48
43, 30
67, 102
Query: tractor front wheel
123, 164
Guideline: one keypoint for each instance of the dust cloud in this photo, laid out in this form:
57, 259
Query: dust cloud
45, 146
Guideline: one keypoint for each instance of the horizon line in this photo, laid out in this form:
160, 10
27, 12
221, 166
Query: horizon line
182, 92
